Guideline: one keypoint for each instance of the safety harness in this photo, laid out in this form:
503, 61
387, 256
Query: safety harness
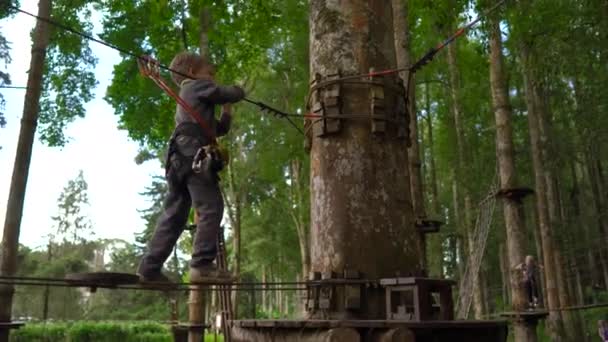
209, 158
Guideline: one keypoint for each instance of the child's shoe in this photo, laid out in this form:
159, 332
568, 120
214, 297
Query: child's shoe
206, 272
153, 278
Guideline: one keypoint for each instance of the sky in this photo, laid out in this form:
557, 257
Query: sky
104, 153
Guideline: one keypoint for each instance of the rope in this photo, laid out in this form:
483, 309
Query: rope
480, 235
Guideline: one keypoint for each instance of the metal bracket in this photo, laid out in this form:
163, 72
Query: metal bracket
377, 106
326, 101
352, 293
402, 113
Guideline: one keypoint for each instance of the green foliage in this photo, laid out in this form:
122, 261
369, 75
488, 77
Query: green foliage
68, 79
5, 58
89, 331
93, 331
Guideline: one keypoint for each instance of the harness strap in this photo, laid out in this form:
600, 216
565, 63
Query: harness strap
150, 69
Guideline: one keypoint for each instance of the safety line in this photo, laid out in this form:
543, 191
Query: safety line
276, 283
150, 287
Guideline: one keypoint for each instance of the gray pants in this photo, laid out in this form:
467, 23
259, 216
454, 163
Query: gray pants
191, 189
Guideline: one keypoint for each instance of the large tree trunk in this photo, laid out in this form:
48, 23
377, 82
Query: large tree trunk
516, 237
542, 207
14, 209
402, 49
361, 211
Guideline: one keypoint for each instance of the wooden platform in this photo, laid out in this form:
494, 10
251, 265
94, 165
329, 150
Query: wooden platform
106, 279
427, 226
528, 316
11, 325
110, 280
516, 194
431, 331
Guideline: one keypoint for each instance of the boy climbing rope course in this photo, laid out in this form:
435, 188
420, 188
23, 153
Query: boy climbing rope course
191, 167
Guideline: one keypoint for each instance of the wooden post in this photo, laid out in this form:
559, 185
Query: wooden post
14, 209
196, 307
196, 312
394, 335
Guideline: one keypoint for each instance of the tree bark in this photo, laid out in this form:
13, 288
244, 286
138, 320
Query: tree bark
504, 152
403, 54
360, 192
542, 206
14, 209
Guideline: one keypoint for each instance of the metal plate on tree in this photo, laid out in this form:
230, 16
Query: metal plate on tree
102, 278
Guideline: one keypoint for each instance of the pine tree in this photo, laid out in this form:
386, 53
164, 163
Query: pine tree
71, 222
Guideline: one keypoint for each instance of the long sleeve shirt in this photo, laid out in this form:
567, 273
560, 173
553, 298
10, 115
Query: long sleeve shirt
203, 95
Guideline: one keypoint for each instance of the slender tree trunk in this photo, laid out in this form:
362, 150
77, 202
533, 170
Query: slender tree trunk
598, 208
360, 190
463, 170
436, 241
264, 292
47, 290
461, 253
297, 199
14, 209
582, 228
548, 159
402, 50
542, 206
504, 271
430, 144
204, 26
523, 332
235, 223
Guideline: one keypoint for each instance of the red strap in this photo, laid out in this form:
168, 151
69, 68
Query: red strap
193, 113
149, 67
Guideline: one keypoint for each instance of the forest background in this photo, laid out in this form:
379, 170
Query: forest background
556, 60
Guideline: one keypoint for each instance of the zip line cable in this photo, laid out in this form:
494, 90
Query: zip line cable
264, 107
428, 57
11, 87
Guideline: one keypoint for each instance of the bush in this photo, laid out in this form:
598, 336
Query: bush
51, 332
93, 332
